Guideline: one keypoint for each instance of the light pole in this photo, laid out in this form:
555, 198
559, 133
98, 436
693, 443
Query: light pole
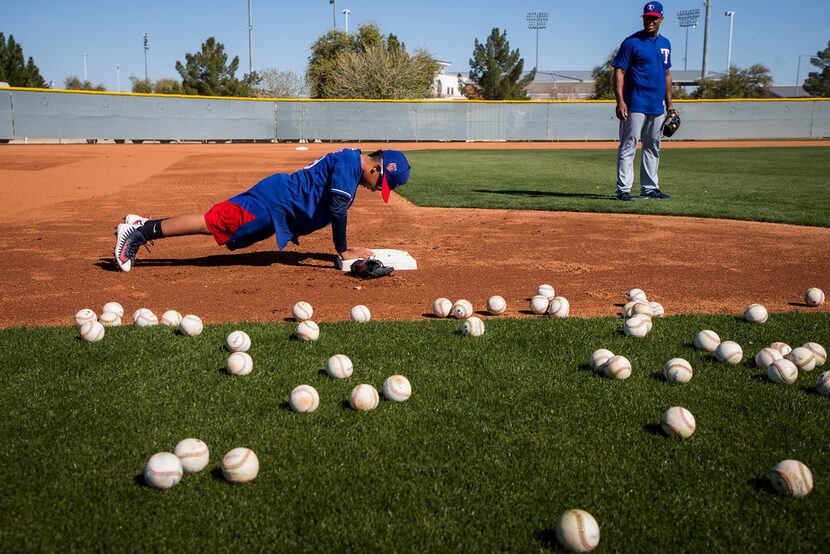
731, 15
687, 18
146, 47
705, 69
118, 76
537, 20
250, 47
346, 12
85, 79
333, 13
797, 91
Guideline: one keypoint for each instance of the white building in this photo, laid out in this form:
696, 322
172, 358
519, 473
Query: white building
445, 85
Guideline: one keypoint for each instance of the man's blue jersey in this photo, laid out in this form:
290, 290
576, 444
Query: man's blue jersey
300, 203
645, 61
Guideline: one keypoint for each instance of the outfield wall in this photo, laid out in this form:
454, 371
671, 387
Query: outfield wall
50, 114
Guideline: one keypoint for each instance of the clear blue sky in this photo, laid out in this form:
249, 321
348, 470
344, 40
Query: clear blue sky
579, 35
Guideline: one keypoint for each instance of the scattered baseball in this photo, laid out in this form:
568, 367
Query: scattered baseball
823, 384
496, 305
577, 531
92, 331
636, 294
637, 326
110, 319
240, 364
397, 388
818, 351
729, 352
472, 327
240, 465
145, 318
304, 399
163, 470
657, 309
678, 370
364, 398
756, 313
141, 312
641, 308
302, 311
307, 330
462, 309
191, 326
803, 358
814, 297
678, 422
441, 307
598, 358
193, 453
238, 341
766, 356
171, 318
559, 307
83, 316
539, 304
361, 313
617, 367
546, 291
782, 347
707, 340
791, 478
113, 307
783, 372
339, 366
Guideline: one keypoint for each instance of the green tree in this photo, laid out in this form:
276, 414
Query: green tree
496, 71
382, 73
208, 73
167, 86
818, 82
327, 51
143, 86
603, 79
74, 83
13, 69
752, 82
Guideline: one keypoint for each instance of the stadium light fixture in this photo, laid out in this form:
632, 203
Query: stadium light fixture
687, 18
731, 15
537, 20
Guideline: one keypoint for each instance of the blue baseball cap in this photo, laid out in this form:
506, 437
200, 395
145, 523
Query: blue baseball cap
653, 9
394, 172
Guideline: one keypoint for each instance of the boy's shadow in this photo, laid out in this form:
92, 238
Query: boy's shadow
262, 259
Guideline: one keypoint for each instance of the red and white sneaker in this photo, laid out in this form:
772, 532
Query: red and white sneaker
135, 220
127, 240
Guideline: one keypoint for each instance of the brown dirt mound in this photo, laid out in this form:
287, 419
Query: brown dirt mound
63, 202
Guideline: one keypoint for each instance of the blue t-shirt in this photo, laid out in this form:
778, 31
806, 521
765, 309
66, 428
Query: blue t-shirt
645, 61
300, 203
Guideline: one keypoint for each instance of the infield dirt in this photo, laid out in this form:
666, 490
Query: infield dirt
63, 201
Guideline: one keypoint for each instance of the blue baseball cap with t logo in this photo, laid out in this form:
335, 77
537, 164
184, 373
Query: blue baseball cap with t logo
394, 172
653, 9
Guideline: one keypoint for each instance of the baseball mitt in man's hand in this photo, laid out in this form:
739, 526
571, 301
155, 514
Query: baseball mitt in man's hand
369, 268
671, 124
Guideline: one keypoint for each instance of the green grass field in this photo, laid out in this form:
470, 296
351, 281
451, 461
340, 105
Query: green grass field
785, 185
502, 433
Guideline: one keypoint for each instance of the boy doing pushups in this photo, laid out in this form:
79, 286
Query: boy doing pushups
286, 205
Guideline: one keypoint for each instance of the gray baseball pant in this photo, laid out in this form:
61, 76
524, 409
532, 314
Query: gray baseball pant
639, 126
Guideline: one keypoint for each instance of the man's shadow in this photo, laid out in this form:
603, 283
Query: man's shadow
261, 259
542, 193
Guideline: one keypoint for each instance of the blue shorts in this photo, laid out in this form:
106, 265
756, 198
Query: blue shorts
239, 222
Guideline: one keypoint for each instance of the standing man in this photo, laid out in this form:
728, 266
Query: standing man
642, 84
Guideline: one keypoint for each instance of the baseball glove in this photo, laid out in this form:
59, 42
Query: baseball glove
671, 124
369, 268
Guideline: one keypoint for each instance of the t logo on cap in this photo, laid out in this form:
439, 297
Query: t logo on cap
394, 172
653, 9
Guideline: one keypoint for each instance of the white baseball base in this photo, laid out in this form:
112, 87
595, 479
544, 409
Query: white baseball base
399, 259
